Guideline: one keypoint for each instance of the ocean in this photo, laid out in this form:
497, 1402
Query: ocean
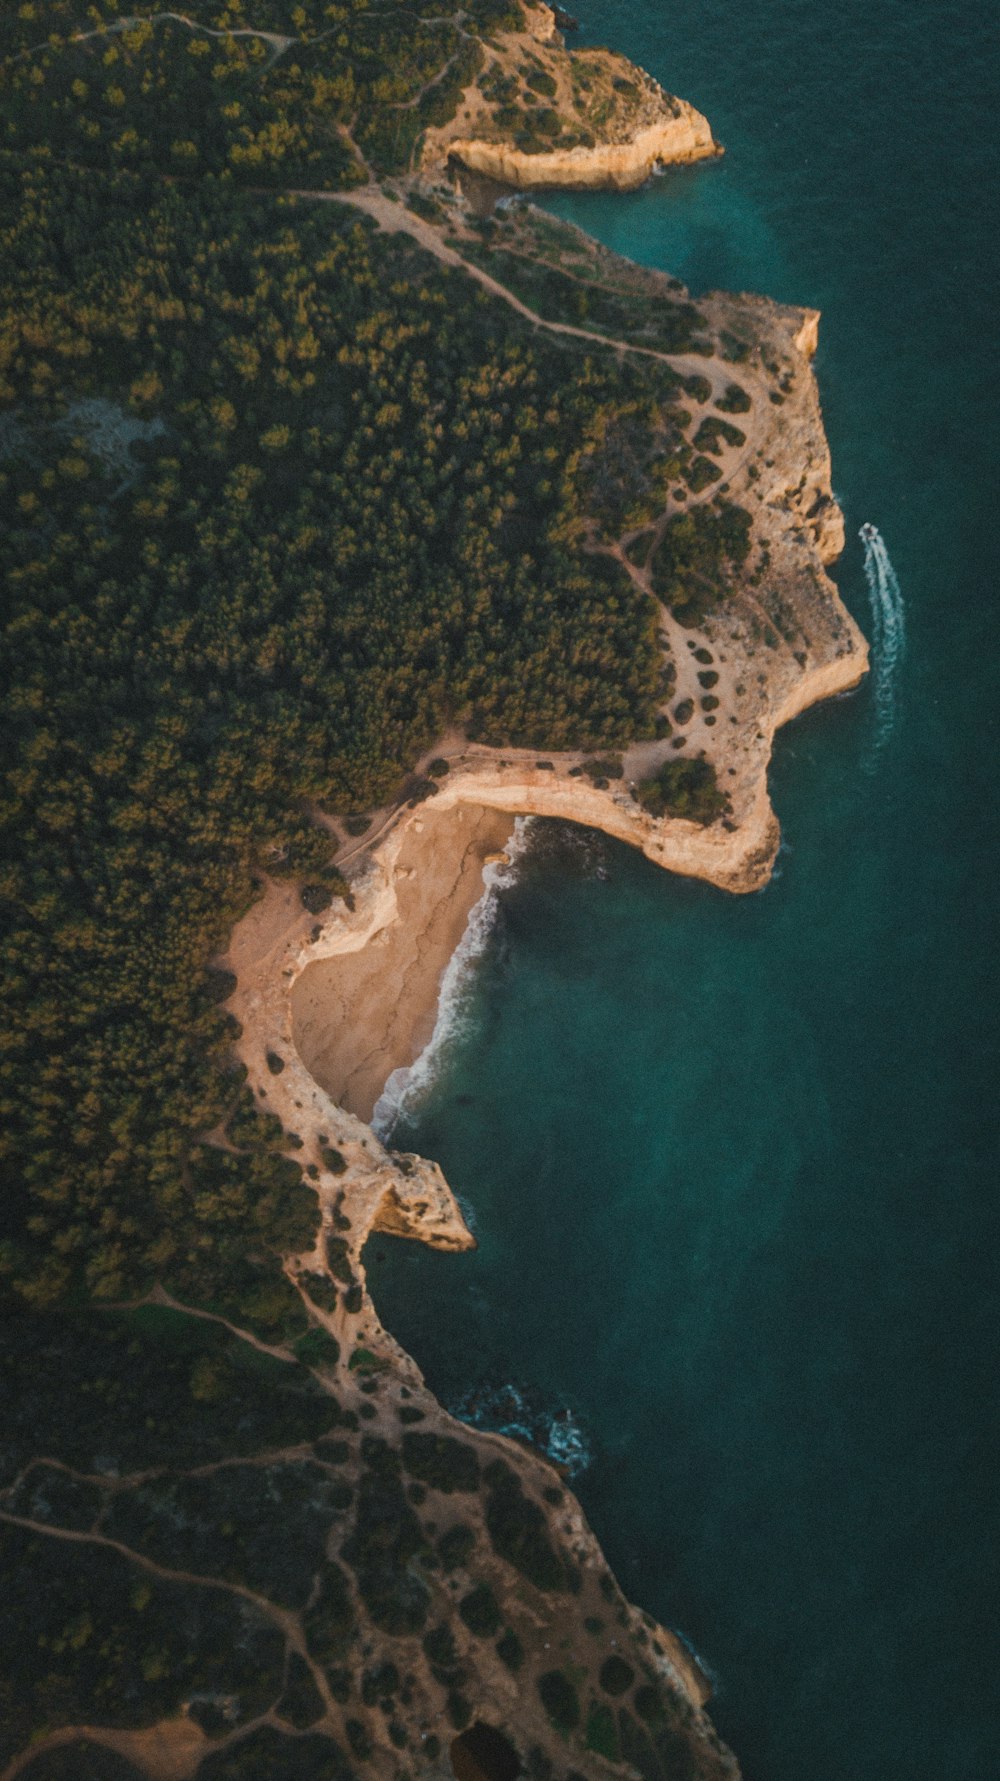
733, 1162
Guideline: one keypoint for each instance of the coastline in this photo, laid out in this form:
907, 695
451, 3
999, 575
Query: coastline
359, 1016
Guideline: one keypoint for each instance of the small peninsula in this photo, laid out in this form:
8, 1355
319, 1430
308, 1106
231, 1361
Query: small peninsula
350, 519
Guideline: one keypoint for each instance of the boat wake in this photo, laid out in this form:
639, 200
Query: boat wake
406, 1087
888, 635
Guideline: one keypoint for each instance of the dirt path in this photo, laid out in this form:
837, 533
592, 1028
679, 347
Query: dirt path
395, 218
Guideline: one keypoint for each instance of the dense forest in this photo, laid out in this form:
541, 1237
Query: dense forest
284, 499
258, 91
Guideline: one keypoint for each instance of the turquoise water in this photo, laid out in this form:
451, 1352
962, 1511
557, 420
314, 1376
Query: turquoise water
733, 1162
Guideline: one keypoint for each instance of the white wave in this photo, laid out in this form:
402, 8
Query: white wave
406, 1087
522, 1414
888, 634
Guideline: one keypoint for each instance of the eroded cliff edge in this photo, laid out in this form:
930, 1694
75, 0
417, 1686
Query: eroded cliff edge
444, 1578
773, 640
540, 115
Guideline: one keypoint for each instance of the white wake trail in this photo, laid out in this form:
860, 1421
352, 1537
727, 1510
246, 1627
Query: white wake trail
406, 1087
888, 634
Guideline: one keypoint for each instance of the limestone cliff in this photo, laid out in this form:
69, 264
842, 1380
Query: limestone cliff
540, 115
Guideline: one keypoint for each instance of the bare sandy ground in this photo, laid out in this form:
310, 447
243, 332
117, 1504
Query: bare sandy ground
360, 1015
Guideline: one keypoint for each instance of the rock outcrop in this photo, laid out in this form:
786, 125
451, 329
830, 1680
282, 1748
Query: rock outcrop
619, 166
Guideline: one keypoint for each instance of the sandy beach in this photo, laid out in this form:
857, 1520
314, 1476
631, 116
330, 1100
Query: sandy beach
360, 1015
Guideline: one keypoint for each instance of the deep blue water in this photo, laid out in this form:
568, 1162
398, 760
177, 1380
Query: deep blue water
734, 1162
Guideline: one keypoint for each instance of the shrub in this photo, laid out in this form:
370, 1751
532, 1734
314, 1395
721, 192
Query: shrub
559, 1698
510, 1650
700, 473
609, 768
456, 1546
479, 1611
439, 767
386, 1537
316, 897
735, 400
275, 1063
459, 1710
357, 824
616, 1675
440, 1461
601, 1735
519, 1530
687, 789
317, 1348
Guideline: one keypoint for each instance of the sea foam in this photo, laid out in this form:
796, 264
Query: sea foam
523, 1412
406, 1087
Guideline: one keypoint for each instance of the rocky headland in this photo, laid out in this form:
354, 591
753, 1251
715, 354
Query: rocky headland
541, 115
329, 1007
343, 1572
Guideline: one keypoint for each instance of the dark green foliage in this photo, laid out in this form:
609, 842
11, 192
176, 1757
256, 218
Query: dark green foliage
358, 1738
685, 788
684, 711
735, 401
145, 1388
616, 1675
480, 1611
379, 1683
609, 767
354, 1299
697, 387
712, 430
601, 1734
510, 1650
440, 1461
410, 1413
316, 897
222, 1524
458, 1710
329, 1619
650, 1706
708, 678
456, 1546
333, 551
439, 1648
176, 98
321, 1291
275, 1063
700, 473
48, 1494
333, 1160
301, 1704
560, 1700
317, 1348
692, 568
519, 1530
668, 324
265, 1755
101, 1641
386, 1536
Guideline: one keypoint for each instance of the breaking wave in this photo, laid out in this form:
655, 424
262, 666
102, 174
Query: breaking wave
406, 1087
524, 1412
888, 634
